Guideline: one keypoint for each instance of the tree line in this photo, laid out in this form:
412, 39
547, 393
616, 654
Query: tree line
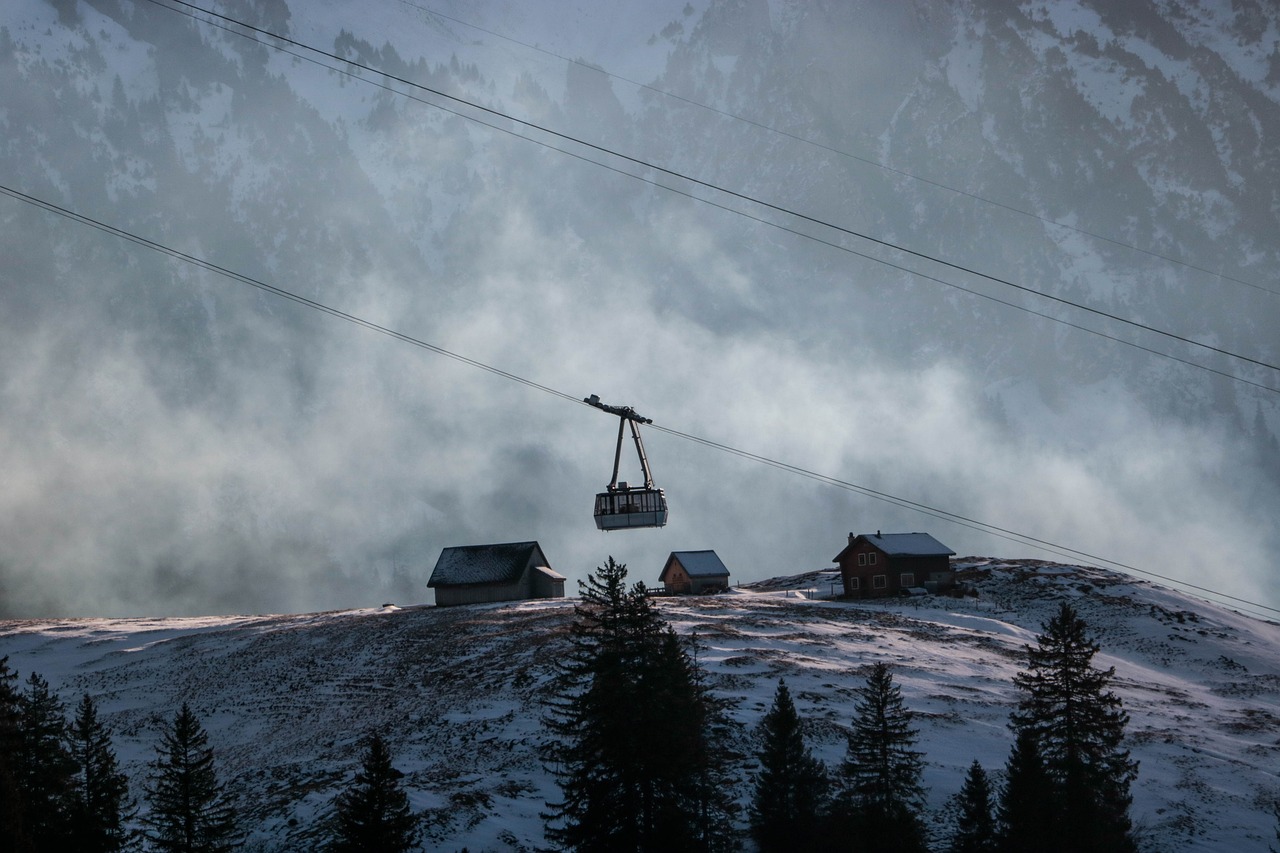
640, 768
61, 786
640, 759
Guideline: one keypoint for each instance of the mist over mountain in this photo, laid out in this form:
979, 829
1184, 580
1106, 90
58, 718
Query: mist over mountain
178, 442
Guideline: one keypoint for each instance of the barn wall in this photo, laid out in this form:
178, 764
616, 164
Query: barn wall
481, 593
933, 571
710, 583
546, 587
677, 579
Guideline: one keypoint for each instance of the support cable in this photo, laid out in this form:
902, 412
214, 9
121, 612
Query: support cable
705, 184
964, 521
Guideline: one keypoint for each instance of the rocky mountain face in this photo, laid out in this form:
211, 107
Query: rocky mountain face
1121, 156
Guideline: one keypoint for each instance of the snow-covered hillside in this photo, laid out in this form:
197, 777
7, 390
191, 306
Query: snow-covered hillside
459, 692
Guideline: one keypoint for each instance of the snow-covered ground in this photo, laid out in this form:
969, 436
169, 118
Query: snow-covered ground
460, 693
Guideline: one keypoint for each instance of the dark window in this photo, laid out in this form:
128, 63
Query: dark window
862, 559
880, 581
908, 579
871, 558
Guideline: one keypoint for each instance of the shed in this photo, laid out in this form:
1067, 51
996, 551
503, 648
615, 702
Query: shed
877, 564
695, 572
473, 574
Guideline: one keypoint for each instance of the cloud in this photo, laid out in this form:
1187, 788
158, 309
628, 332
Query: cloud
176, 442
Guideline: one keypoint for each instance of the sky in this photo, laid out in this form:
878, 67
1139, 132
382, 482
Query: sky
180, 442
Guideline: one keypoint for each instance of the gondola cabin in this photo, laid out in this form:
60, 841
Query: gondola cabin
621, 506
624, 506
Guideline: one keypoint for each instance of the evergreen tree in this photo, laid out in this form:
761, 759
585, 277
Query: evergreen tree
791, 788
632, 757
1078, 725
1028, 812
881, 797
100, 796
12, 824
975, 824
190, 812
43, 766
373, 815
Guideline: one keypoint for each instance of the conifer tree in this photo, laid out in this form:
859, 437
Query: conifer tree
791, 788
373, 815
43, 765
12, 823
100, 795
1078, 726
635, 768
975, 823
1028, 812
881, 798
190, 811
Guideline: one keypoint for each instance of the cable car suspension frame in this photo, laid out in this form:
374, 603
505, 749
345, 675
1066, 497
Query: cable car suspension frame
622, 506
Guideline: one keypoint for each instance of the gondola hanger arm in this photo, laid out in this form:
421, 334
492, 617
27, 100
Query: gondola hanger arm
624, 412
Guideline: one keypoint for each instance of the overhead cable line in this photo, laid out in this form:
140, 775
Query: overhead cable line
777, 208
846, 154
269, 288
959, 520
964, 521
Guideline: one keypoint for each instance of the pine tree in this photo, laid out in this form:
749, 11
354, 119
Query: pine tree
1028, 813
1078, 725
975, 823
100, 797
791, 788
373, 815
44, 767
882, 798
190, 812
632, 756
12, 823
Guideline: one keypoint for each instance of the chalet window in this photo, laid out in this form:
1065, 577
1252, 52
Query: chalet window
871, 558
852, 583
907, 579
862, 559
879, 581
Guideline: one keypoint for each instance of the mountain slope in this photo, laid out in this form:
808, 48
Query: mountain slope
459, 693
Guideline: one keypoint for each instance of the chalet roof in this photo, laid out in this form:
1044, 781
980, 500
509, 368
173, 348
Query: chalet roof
480, 564
901, 544
698, 564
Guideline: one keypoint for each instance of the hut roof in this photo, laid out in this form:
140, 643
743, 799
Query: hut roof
485, 564
698, 564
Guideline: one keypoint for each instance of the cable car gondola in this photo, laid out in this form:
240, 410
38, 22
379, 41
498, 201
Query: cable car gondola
622, 506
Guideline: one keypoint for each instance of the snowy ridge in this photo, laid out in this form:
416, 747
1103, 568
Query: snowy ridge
458, 693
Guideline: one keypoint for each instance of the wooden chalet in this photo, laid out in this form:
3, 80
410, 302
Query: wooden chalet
878, 564
474, 574
695, 572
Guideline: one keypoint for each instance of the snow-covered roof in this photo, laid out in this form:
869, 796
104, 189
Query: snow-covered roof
549, 572
698, 564
903, 544
472, 564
